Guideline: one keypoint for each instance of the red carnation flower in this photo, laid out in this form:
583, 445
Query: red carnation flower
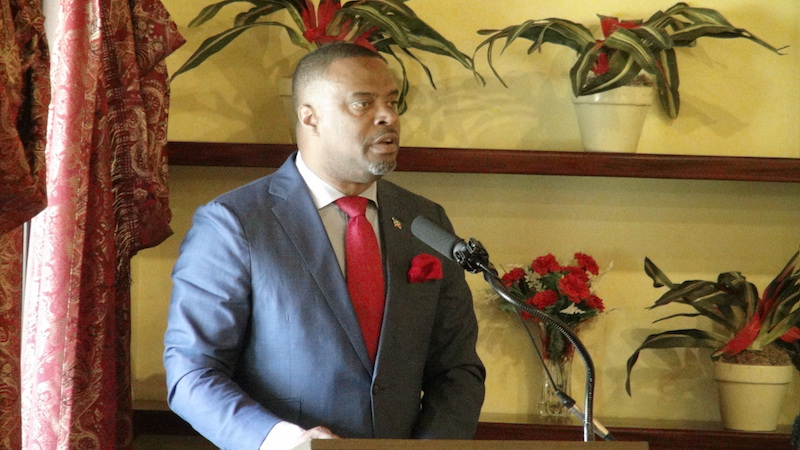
579, 272
544, 299
425, 267
587, 263
513, 276
545, 264
595, 302
574, 287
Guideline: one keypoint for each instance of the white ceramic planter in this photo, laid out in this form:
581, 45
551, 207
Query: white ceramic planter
751, 397
285, 92
612, 121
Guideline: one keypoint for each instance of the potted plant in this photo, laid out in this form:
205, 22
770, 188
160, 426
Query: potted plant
631, 53
750, 331
386, 26
629, 47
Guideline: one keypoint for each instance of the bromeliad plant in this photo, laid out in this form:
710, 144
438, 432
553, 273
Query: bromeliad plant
754, 329
629, 47
384, 26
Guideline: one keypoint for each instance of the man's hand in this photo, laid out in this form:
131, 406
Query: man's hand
315, 433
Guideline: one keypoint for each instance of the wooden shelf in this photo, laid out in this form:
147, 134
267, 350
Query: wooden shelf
524, 162
660, 435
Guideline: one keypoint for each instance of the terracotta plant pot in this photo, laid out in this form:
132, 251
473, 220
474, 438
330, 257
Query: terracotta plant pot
751, 397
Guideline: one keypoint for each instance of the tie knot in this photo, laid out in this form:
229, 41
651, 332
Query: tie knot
353, 205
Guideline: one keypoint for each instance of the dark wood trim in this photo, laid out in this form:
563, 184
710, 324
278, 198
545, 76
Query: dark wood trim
686, 435
160, 422
690, 436
524, 162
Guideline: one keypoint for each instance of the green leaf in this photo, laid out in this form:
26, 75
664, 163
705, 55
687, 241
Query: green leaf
628, 42
688, 24
789, 275
398, 25
677, 315
770, 334
253, 14
667, 82
219, 41
688, 338
623, 68
659, 278
555, 31
210, 11
703, 296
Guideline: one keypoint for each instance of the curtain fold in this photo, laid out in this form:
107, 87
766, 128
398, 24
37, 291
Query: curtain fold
24, 99
107, 199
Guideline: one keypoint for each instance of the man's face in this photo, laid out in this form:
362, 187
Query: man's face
358, 128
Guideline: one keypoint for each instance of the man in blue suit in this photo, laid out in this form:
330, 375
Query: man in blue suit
263, 346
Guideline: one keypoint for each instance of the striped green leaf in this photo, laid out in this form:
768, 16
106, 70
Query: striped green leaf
687, 338
210, 11
219, 41
253, 14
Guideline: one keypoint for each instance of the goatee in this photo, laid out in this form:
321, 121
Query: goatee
382, 168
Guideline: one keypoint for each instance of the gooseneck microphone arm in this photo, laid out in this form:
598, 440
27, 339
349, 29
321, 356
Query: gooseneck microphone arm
474, 258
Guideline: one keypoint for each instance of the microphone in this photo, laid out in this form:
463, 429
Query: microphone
473, 257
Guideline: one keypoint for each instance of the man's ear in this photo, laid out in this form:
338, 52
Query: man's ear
307, 118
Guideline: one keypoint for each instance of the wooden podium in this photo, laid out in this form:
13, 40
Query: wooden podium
412, 444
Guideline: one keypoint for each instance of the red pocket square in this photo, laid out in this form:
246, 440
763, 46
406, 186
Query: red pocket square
425, 267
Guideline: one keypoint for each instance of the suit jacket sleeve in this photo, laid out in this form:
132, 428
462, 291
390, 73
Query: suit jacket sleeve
206, 325
453, 389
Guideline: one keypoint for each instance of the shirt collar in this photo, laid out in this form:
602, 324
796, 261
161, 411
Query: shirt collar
322, 192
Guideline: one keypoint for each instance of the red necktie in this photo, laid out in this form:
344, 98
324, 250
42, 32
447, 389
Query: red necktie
364, 270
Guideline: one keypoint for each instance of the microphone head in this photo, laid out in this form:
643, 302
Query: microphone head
435, 236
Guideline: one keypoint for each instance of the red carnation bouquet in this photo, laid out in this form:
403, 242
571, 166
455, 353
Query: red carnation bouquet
563, 291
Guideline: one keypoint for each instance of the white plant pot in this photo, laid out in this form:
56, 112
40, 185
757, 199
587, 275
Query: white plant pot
285, 92
751, 397
612, 121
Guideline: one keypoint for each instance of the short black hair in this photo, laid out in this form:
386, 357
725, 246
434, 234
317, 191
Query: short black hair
314, 64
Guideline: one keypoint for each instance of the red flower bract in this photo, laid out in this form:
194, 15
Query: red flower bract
316, 25
601, 64
425, 267
612, 24
609, 26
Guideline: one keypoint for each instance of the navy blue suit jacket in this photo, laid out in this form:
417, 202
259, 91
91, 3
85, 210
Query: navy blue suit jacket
261, 328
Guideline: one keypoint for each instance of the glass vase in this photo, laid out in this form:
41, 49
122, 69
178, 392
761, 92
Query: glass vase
549, 404
557, 352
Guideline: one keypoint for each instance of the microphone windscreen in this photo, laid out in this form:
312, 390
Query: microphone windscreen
435, 236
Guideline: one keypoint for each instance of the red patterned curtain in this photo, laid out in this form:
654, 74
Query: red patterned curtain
107, 199
24, 98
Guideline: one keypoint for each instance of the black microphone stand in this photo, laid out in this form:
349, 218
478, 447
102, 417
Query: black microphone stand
474, 258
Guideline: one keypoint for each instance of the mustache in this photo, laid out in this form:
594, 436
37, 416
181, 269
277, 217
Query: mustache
390, 134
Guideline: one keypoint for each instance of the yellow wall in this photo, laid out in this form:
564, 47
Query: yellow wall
737, 99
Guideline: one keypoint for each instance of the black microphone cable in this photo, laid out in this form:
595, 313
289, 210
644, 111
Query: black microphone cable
473, 257
565, 399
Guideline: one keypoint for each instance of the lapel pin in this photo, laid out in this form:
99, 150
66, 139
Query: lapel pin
397, 223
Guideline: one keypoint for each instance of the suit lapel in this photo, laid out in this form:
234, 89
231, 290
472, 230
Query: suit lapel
301, 222
398, 251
